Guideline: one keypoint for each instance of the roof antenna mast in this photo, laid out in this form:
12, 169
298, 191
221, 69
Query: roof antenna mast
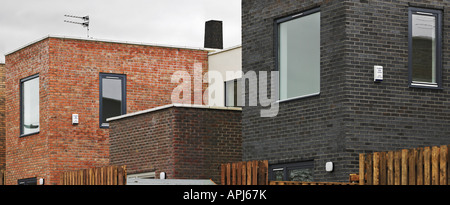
84, 24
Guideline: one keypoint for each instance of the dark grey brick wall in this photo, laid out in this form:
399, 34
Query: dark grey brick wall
352, 114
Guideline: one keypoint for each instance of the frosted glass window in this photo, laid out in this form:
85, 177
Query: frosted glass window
299, 56
424, 47
30, 105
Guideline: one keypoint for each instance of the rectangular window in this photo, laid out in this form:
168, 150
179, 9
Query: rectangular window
233, 93
301, 171
425, 48
149, 175
29, 103
112, 97
298, 39
28, 181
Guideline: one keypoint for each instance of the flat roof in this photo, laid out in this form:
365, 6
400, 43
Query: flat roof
172, 106
225, 50
108, 41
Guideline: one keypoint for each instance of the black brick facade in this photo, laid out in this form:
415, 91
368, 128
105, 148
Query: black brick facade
352, 114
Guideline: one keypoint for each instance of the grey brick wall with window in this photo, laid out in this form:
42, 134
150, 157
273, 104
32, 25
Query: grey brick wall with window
352, 114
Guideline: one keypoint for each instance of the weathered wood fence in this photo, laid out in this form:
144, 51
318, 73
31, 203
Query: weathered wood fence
245, 173
420, 166
2, 177
112, 175
257, 173
309, 183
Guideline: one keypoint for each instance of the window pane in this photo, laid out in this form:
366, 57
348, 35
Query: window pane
30, 106
423, 48
278, 174
301, 175
299, 56
111, 98
230, 94
233, 96
238, 91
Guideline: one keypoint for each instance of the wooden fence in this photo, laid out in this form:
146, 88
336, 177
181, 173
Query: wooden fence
421, 166
245, 173
256, 173
112, 175
2, 177
310, 183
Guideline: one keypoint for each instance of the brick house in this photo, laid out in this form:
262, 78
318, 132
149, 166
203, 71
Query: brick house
60, 91
183, 141
332, 106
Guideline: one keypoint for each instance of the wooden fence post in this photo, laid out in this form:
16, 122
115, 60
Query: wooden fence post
255, 173
427, 166
435, 165
362, 173
383, 174
249, 173
419, 166
228, 174
244, 173
369, 168
397, 168
405, 167
412, 167
443, 165
390, 168
376, 168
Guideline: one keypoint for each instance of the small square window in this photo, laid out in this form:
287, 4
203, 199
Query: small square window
425, 48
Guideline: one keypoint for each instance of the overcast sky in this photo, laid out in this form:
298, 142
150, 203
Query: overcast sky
167, 22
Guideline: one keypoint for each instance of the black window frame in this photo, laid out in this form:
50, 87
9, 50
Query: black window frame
438, 14
123, 77
277, 53
289, 166
22, 81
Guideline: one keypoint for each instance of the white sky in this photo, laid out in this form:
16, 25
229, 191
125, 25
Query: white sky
167, 22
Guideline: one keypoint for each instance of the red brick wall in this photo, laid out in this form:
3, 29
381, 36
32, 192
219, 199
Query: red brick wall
185, 143
26, 157
2, 117
69, 81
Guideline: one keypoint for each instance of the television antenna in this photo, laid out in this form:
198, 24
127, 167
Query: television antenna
85, 22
